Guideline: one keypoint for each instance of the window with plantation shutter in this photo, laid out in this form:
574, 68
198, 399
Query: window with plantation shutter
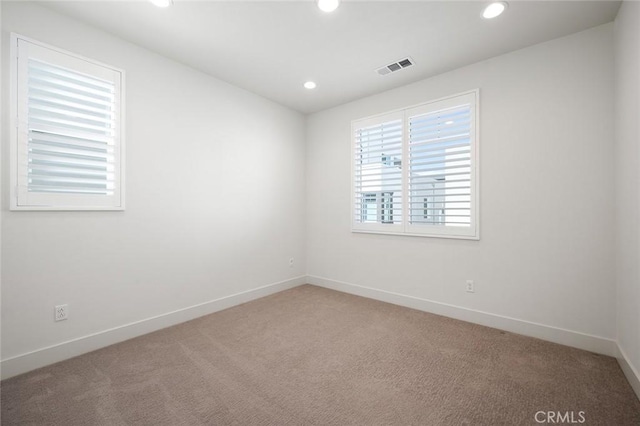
67, 150
416, 172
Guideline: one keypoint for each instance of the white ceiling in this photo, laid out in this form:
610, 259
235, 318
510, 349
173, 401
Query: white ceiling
272, 48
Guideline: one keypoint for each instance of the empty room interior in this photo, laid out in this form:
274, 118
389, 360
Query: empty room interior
320, 212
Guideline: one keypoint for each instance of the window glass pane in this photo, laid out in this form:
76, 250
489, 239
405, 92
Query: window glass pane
440, 167
71, 131
378, 173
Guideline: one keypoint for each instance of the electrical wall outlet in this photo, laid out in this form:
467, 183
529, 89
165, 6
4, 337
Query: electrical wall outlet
470, 286
291, 262
61, 312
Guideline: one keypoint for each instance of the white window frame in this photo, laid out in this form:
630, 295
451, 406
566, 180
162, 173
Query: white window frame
405, 227
65, 202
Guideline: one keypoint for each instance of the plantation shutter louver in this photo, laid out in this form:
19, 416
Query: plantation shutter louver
69, 145
378, 173
434, 154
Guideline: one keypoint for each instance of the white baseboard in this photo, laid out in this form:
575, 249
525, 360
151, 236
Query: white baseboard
41, 357
600, 345
633, 376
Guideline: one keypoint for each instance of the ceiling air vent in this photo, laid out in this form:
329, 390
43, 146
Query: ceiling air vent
396, 66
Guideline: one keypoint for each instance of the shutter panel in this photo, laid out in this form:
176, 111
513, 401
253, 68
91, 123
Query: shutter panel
441, 174
69, 130
378, 172
71, 127
440, 168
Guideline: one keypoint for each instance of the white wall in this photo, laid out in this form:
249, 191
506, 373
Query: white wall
547, 195
627, 177
214, 192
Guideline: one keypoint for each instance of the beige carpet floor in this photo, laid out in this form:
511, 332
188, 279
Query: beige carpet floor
311, 356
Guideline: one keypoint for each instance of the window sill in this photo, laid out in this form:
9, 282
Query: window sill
413, 234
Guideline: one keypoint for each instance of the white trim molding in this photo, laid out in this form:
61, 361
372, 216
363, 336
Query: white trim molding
597, 344
59, 352
632, 375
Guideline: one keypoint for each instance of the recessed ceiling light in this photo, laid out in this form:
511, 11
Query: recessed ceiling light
494, 9
310, 85
328, 5
162, 3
